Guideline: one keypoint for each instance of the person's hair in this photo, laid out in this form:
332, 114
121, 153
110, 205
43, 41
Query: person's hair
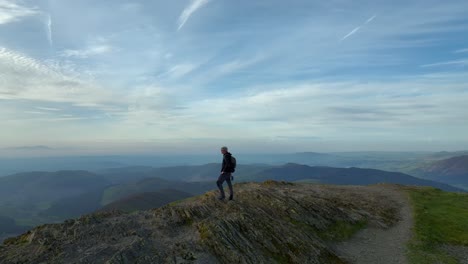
224, 148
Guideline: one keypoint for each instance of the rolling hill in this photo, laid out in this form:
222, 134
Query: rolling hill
186, 173
341, 176
25, 196
453, 171
45, 187
145, 201
8, 225
148, 185
74, 206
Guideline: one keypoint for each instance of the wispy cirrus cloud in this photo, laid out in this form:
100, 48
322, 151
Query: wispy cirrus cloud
89, 51
12, 10
179, 70
49, 29
24, 78
35, 112
284, 70
461, 62
323, 107
237, 65
355, 30
352, 32
48, 108
370, 19
189, 10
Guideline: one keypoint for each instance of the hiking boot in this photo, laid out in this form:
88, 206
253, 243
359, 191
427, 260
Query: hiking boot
231, 198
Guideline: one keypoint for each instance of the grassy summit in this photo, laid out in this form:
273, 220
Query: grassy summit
441, 221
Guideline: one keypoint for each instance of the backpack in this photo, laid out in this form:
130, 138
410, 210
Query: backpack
233, 163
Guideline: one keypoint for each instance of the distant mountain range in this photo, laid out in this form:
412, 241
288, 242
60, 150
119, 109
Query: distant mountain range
343, 176
289, 172
453, 171
29, 148
390, 161
449, 167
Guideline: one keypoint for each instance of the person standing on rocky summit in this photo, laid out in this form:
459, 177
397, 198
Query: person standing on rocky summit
226, 173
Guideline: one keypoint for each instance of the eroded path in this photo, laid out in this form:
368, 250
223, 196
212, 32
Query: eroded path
377, 245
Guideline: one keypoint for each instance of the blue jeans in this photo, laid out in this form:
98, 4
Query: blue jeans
225, 177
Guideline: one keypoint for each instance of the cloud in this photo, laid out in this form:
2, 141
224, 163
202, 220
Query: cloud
355, 30
300, 138
35, 112
11, 11
447, 63
461, 51
370, 19
48, 108
337, 110
351, 33
49, 30
236, 65
179, 70
216, 72
168, 86
24, 78
90, 51
189, 10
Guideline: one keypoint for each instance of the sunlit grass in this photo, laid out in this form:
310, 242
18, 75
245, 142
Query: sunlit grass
440, 218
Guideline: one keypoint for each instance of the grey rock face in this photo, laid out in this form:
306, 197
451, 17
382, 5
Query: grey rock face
270, 222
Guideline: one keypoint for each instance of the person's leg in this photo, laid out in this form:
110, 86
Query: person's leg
220, 185
231, 191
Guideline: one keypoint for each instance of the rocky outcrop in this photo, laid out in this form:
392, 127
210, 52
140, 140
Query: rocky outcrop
270, 222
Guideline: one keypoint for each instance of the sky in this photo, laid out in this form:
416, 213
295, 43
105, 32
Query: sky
118, 76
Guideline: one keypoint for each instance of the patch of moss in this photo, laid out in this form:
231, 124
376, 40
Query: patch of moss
338, 231
272, 183
186, 200
303, 226
188, 221
341, 230
204, 231
21, 240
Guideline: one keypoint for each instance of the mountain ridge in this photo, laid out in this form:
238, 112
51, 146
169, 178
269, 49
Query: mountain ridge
343, 176
202, 229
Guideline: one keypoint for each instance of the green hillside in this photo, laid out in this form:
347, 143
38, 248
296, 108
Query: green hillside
441, 224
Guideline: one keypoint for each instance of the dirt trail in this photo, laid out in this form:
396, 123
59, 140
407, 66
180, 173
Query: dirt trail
377, 245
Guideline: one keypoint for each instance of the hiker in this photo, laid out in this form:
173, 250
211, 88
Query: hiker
228, 167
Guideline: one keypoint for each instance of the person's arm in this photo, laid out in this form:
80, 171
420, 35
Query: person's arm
223, 167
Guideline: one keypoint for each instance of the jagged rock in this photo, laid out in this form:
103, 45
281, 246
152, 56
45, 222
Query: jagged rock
271, 222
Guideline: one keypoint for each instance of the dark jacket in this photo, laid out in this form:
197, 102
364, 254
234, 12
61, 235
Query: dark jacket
227, 164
